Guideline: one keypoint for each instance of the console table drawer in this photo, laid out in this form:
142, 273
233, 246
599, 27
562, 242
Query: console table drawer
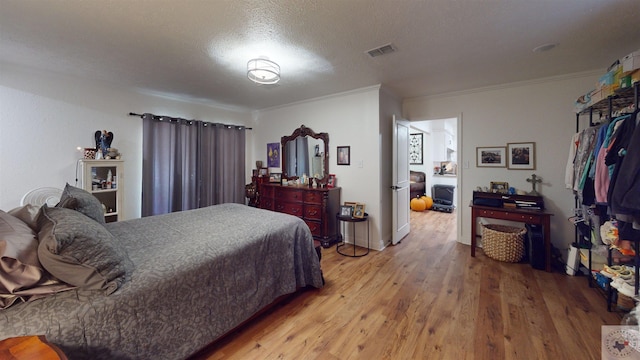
289, 195
513, 216
294, 209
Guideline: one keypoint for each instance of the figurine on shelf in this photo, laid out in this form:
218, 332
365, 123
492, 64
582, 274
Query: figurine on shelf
103, 142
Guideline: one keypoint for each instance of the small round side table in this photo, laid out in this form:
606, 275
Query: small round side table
353, 220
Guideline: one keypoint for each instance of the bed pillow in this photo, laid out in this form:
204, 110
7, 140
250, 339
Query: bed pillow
81, 252
19, 265
28, 214
82, 201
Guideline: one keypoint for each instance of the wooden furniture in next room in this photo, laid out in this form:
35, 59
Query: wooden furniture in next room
520, 208
316, 206
29, 348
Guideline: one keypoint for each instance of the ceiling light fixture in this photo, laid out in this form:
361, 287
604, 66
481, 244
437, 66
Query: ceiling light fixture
545, 47
263, 71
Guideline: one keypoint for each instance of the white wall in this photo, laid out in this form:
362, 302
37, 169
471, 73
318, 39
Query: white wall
538, 111
350, 119
44, 117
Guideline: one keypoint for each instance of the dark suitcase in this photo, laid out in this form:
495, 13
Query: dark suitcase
442, 196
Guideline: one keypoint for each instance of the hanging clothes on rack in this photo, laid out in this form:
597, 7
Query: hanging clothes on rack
583, 153
602, 177
624, 190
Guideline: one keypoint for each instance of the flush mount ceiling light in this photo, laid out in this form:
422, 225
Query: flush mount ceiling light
545, 47
263, 71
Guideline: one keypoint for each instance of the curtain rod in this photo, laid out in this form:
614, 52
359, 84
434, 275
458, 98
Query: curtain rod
141, 115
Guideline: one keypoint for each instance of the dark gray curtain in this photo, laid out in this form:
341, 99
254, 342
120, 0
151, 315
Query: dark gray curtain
221, 164
187, 164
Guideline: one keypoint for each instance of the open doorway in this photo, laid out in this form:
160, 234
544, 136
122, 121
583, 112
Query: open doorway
435, 162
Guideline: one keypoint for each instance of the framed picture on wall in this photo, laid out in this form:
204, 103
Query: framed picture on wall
273, 155
415, 149
521, 156
493, 156
344, 155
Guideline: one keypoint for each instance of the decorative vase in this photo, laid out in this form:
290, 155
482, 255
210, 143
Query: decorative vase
258, 164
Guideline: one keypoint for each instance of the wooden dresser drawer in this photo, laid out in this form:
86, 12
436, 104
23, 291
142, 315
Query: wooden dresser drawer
289, 195
266, 203
313, 212
313, 197
314, 226
294, 209
267, 191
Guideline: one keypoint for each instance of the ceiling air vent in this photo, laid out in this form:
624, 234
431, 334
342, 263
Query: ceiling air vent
382, 50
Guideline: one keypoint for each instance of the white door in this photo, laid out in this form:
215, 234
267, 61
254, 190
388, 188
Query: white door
400, 183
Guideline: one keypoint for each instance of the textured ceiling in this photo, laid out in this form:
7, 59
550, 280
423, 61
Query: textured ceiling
198, 50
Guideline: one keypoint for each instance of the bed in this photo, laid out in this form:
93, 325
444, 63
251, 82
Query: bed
192, 277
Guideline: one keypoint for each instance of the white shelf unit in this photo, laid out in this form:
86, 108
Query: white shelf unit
94, 179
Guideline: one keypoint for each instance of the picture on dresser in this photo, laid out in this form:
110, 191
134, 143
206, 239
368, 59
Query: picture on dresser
346, 210
275, 178
332, 181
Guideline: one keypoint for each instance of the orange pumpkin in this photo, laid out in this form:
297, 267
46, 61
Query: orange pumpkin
417, 204
428, 201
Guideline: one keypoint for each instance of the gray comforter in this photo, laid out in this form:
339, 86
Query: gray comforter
198, 274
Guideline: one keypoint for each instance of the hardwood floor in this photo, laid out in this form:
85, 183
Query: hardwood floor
426, 298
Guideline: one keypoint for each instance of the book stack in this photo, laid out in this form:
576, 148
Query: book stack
531, 205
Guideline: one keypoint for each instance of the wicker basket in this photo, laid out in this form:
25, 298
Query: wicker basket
502, 242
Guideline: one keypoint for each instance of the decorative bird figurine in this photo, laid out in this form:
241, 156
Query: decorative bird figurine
103, 141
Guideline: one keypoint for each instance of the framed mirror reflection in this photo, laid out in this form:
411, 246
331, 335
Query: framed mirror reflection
305, 152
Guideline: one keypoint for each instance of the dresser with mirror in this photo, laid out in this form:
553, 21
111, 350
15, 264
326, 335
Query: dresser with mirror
305, 156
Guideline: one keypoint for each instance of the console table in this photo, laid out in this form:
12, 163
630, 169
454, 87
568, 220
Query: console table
534, 217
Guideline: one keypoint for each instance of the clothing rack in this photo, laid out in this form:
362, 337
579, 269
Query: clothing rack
160, 117
621, 98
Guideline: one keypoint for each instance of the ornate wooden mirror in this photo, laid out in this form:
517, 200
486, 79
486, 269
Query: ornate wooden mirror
305, 152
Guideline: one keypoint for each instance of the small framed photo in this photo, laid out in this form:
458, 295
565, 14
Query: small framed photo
275, 178
358, 211
499, 187
332, 181
493, 156
346, 210
263, 171
350, 203
521, 156
254, 172
344, 155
